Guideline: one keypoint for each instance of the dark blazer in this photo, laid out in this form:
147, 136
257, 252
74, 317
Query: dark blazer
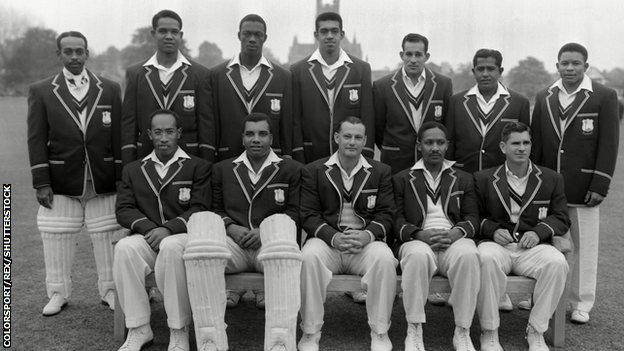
322, 200
543, 210
143, 204
410, 195
58, 147
586, 150
472, 150
395, 132
314, 122
237, 201
230, 107
191, 99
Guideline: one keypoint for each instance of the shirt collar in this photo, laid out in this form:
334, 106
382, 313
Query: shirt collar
423, 74
316, 55
153, 61
510, 173
271, 158
263, 61
334, 160
586, 84
177, 155
501, 90
446, 164
78, 77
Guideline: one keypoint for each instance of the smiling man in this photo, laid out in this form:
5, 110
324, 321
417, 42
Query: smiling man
347, 209
576, 133
75, 158
329, 86
522, 206
477, 116
168, 80
248, 83
437, 217
406, 99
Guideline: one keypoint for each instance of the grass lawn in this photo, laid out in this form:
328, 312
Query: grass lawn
87, 325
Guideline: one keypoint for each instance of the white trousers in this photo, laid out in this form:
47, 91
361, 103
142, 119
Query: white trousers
375, 263
459, 262
134, 260
543, 263
242, 260
585, 234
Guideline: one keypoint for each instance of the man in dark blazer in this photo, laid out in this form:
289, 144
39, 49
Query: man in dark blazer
523, 208
329, 86
347, 209
255, 219
477, 116
168, 80
435, 223
248, 83
404, 100
157, 196
576, 133
74, 148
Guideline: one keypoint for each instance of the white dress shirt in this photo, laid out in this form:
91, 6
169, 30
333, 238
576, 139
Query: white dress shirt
255, 176
250, 76
415, 90
165, 74
518, 184
329, 71
487, 106
435, 218
163, 168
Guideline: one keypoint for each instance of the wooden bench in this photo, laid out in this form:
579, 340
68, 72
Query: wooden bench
342, 283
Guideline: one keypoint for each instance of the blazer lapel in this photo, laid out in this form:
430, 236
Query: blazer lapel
153, 80
176, 84
236, 81
61, 91
242, 175
501, 188
533, 185
552, 105
497, 111
151, 176
333, 175
93, 96
341, 76
398, 88
428, 91
316, 73
266, 75
173, 171
267, 175
417, 181
471, 107
359, 180
446, 187
576, 106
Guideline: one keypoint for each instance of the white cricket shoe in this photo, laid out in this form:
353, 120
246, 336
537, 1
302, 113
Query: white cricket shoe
505, 304
109, 299
414, 338
179, 340
489, 340
535, 339
309, 342
55, 305
461, 339
138, 338
579, 317
525, 304
380, 342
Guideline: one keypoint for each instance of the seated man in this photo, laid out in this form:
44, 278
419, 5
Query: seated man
523, 207
256, 201
346, 208
158, 195
437, 216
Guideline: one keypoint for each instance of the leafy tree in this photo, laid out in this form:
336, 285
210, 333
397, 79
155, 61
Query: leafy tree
529, 77
209, 55
270, 56
462, 77
108, 64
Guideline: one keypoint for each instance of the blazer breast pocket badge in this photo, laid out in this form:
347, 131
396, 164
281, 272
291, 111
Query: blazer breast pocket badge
188, 102
354, 96
371, 201
276, 105
588, 126
437, 113
279, 196
542, 213
184, 195
106, 118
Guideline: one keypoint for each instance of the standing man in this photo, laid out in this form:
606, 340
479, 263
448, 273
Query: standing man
329, 86
523, 208
74, 148
256, 201
170, 81
157, 196
437, 219
248, 83
576, 133
347, 208
477, 116
406, 99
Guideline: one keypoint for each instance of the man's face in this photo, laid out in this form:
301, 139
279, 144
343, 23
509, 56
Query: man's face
73, 54
350, 139
257, 139
167, 35
414, 57
517, 148
487, 73
165, 134
571, 67
329, 36
432, 146
252, 36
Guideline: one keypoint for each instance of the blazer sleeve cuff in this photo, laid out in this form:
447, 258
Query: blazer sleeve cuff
544, 231
176, 225
142, 225
467, 228
377, 229
326, 233
406, 232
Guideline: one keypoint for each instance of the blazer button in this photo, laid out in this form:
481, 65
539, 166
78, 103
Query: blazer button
560, 151
482, 151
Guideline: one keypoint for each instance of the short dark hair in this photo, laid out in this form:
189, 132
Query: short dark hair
258, 117
414, 38
252, 18
485, 53
165, 14
573, 47
514, 127
431, 125
328, 16
352, 120
166, 112
71, 33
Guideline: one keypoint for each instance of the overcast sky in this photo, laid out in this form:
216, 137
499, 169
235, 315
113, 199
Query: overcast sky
518, 28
